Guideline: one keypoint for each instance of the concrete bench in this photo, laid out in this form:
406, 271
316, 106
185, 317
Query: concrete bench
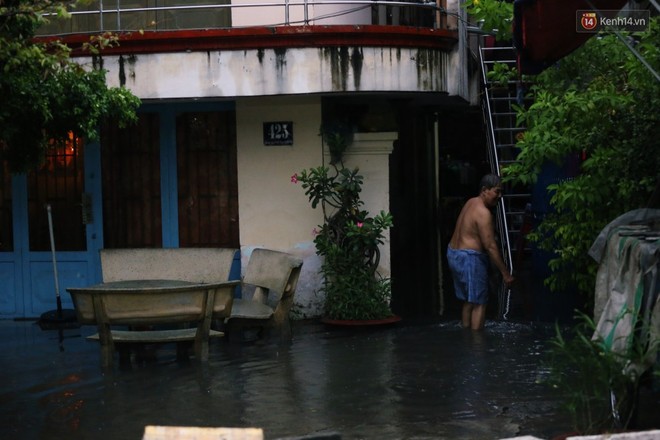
199, 265
152, 303
152, 287
273, 277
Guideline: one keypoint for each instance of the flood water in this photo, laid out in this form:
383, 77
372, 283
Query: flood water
406, 381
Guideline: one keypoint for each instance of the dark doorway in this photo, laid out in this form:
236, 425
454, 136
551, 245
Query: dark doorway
463, 159
413, 195
434, 168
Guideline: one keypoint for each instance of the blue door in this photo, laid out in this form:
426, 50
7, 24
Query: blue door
50, 208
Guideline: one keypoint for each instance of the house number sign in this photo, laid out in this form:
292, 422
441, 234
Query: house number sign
278, 133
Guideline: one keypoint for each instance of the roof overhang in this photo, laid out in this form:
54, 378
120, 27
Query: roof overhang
544, 31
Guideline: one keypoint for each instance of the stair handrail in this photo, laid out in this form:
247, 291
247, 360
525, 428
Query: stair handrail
501, 221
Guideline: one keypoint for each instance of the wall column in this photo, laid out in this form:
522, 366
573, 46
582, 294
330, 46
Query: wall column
370, 152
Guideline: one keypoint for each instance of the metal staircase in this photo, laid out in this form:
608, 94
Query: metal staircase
499, 101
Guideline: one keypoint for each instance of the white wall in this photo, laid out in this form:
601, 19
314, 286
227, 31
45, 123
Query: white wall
273, 211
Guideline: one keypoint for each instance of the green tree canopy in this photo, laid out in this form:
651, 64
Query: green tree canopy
600, 102
45, 94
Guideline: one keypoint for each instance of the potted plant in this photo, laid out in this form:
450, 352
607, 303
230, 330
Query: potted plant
348, 242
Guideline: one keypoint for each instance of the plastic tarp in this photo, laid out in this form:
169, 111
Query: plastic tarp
627, 295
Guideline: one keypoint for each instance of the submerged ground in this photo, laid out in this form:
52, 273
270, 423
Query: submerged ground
404, 381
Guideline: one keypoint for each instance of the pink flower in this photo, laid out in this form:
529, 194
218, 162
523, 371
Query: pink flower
294, 178
359, 224
315, 232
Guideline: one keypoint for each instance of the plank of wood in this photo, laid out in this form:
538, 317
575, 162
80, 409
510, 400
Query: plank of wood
156, 336
199, 433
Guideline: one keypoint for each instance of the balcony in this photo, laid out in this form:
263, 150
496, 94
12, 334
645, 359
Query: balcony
261, 48
176, 15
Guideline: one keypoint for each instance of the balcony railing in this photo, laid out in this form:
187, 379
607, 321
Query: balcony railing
167, 15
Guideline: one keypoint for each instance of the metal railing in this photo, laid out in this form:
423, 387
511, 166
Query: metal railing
104, 17
504, 295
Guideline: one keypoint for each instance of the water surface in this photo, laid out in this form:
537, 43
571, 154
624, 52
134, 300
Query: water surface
431, 381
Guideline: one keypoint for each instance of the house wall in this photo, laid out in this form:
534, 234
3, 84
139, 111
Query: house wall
274, 212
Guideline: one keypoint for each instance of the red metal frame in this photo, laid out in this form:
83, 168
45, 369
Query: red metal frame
270, 38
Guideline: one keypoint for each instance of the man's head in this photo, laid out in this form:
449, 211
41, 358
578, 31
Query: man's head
490, 181
491, 189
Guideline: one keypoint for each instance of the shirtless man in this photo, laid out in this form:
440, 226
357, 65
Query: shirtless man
472, 243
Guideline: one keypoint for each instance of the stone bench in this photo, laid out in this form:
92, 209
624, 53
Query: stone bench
198, 265
272, 277
150, 287
139, 303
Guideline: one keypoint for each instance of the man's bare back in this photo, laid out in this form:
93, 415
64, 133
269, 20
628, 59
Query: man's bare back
466, 234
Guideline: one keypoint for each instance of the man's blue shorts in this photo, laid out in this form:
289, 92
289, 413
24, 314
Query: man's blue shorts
470, 272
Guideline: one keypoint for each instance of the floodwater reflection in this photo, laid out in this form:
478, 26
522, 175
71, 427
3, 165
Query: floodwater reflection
432, 381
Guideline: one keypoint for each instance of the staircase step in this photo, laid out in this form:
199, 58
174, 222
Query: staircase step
503, 98
499, 61
517, 195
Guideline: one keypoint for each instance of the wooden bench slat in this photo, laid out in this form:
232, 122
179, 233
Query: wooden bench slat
156, 336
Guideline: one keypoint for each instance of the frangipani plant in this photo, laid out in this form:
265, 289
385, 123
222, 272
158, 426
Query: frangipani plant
348, 241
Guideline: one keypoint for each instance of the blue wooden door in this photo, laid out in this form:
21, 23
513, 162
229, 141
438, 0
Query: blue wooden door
54, 207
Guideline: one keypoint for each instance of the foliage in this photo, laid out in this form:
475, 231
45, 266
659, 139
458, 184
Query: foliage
600, 386
495, 16
45, 94
603, 104
501, 74
348, 241
337, 135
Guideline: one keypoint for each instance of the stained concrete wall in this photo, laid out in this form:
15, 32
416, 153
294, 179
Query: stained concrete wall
281, 72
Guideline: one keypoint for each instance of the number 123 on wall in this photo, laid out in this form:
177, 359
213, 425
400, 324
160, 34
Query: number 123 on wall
278, 133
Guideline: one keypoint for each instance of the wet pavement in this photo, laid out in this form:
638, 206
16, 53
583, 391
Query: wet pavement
404, 381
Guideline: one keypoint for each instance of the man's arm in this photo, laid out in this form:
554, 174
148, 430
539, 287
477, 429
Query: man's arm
487, 235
